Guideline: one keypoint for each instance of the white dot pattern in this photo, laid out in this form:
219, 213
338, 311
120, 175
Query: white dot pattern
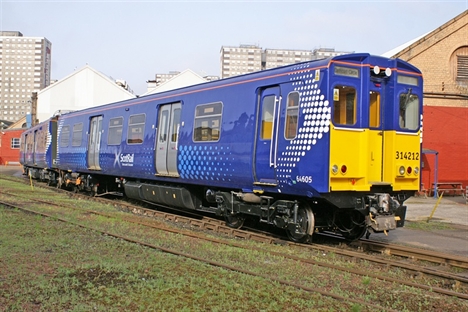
314, 121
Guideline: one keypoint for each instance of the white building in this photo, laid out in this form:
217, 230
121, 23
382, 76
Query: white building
179, 80
82, 89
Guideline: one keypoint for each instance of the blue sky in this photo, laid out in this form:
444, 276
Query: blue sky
134, 40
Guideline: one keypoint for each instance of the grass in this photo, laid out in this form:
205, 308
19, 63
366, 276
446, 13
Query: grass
427, 226
48, 265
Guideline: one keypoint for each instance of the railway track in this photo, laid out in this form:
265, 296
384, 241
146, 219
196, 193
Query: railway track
214, 225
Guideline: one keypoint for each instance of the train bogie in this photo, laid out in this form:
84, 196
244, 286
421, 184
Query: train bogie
325, 145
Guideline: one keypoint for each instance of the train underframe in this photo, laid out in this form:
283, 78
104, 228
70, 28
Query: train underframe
351, 214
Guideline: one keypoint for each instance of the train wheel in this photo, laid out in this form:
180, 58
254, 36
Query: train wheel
234, 220
355, 234
353, 225
306, 223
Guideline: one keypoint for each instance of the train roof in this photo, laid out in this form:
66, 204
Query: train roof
260, 75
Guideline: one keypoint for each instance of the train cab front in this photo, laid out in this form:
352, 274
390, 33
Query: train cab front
375, 141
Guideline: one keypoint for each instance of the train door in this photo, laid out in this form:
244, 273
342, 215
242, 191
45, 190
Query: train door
53, 132
375, 144
34, 152
29, 148
24, 146
94, 142
266, 141
167, 138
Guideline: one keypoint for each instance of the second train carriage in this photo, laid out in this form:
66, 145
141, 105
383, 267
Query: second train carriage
38, 150
324, 145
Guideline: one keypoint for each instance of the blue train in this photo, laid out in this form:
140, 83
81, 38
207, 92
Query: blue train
326, 145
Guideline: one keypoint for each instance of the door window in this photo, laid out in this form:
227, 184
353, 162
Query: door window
374, 109
268, 112
163, 128
292, 114
175, 125
344, 104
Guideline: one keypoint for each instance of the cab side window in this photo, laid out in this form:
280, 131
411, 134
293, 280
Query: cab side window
409, 111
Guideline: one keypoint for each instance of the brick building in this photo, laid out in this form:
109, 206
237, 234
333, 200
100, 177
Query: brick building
10, 134
442, 56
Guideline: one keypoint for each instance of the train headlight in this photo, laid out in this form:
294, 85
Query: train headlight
416, 170
388, 72
401, 170
376, 70
334, 169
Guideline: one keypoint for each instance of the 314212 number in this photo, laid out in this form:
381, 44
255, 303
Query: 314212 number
407, 155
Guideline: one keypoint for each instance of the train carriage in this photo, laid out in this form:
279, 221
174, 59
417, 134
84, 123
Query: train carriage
38, 149
323, 145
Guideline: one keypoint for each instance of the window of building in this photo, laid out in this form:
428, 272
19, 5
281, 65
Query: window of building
459, 66
344, 105
77, 134
462, 67
115, 131
15, 143
136, 127
207, 125
292, 114
65, 136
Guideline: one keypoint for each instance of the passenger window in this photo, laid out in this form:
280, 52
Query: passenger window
207, 126
374, 109
344, 105
136, 127
65, 136
77, 134
114, 136
409, 111
292, 114
268, 111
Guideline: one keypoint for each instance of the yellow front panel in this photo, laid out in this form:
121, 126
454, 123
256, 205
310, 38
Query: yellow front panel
402, 150
360, 151
373, 157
